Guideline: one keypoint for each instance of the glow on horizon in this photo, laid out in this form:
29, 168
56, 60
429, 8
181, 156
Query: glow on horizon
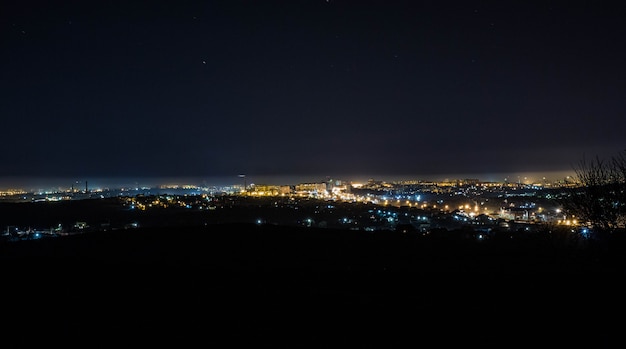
59, 183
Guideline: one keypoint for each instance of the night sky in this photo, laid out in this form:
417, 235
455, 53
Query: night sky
309, 88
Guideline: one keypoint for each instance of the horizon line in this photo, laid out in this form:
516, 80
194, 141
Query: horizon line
111, 182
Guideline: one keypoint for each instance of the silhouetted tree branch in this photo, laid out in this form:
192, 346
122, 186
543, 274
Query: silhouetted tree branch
600, 198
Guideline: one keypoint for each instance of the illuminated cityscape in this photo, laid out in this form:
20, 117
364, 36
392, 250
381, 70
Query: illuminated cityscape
374, 205
312, 174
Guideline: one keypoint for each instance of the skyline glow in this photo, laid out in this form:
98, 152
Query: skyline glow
42, 183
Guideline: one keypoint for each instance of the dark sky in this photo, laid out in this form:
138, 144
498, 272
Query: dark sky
332, 88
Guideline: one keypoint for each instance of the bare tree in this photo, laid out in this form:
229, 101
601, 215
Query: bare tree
600, 198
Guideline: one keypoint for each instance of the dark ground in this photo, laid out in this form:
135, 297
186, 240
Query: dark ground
239, 285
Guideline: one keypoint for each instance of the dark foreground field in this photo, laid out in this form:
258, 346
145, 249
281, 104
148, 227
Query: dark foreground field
240, 285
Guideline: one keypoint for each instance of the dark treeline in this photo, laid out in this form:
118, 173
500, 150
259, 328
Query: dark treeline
252, 247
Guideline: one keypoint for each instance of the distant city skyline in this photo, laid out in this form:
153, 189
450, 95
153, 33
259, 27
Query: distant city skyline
93, 183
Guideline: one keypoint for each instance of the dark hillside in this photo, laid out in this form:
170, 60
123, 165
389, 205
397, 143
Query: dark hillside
278, 286
250, 247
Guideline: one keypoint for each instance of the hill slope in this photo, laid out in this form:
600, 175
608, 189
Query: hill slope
268, 286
